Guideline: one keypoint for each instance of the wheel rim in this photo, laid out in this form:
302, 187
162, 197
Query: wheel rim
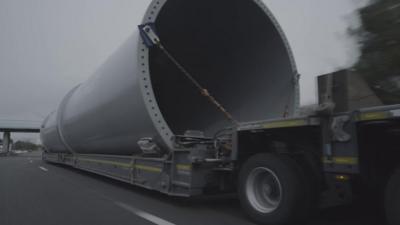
263, 190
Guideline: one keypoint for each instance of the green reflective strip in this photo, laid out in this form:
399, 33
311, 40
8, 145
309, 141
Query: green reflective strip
341, 160
148, 168
374, 116
126, 165
184, 167
285, 123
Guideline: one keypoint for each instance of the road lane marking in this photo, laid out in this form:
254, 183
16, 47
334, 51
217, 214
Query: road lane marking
42, 168
144, 215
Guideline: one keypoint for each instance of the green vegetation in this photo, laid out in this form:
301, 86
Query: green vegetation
25, 145
380, 49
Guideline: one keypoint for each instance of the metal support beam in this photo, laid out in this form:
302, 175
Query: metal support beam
6, 142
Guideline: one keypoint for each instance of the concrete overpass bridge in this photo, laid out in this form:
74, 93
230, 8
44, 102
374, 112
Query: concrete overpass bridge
16, 126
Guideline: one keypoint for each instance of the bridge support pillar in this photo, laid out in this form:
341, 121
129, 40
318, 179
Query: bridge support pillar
6, 142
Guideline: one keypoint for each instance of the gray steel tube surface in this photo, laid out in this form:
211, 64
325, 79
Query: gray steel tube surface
234, 48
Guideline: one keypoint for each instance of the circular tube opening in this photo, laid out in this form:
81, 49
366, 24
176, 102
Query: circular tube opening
234, 49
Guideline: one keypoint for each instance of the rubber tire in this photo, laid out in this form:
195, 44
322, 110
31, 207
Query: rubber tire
294, 193
392, 199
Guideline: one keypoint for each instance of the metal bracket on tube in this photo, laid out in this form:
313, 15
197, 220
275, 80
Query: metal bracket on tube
148, 34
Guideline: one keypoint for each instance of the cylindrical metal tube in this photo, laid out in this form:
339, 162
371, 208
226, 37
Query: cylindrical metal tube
235, 49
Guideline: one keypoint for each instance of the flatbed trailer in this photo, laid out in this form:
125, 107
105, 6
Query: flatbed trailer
313, 160
205, 65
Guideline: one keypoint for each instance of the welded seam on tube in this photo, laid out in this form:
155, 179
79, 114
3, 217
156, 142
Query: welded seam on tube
60, 115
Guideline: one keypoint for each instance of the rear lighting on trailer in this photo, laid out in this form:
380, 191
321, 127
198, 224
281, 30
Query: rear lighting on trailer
341, 177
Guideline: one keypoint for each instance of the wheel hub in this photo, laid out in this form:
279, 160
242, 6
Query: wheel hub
264, 190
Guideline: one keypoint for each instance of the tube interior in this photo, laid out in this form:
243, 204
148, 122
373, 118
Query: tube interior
234, 50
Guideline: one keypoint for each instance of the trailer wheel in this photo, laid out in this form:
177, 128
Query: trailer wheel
272, 189
392, 199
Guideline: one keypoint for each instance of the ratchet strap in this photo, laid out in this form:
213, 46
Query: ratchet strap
151, 39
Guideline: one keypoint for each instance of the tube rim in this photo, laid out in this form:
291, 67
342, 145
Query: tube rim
146, 88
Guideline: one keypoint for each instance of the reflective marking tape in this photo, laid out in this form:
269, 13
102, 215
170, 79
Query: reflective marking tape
373, 116
148, 168
285, 123
341, 160
184, 167
124, 165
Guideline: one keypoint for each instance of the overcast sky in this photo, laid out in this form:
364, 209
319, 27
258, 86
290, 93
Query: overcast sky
48, 46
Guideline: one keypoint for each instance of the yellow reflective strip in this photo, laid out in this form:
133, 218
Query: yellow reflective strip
373, 116
342, 160
148, 168
126, 165
285, 123
184, 167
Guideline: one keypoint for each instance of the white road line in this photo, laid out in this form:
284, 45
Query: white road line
144, 215
42, 168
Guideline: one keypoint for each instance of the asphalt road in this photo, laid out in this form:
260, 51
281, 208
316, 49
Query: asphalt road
33, 192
